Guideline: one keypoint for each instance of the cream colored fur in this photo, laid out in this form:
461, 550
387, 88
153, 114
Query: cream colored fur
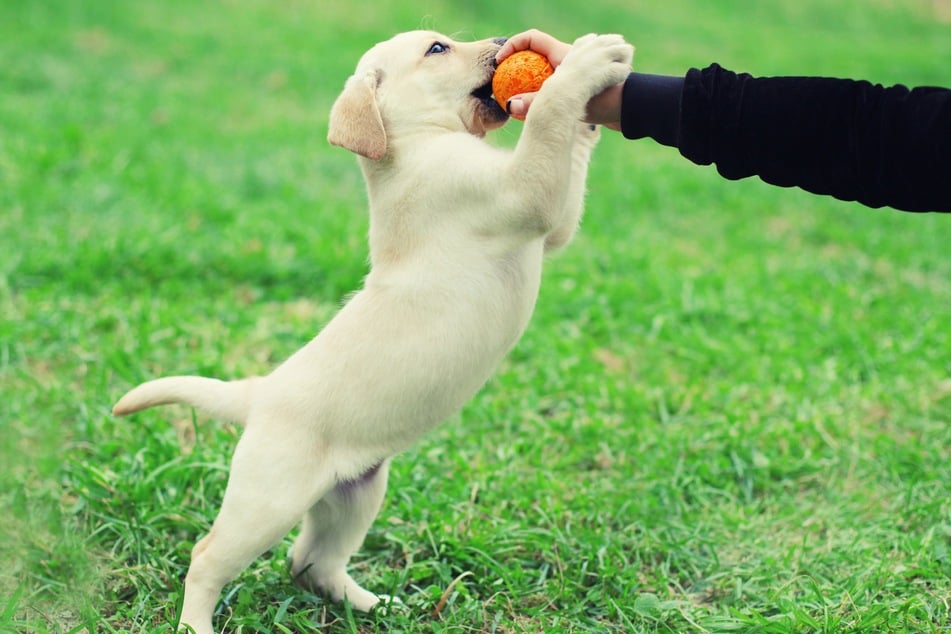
458, 230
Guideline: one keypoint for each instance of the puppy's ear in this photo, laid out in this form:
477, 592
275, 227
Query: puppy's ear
355, 121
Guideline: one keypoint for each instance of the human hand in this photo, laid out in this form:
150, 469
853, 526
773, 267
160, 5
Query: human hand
535, 40
603, 109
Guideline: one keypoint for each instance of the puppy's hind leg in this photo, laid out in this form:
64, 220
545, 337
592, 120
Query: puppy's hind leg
333, 530
261, 504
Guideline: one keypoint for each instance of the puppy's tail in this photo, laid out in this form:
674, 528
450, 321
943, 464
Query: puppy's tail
227, 400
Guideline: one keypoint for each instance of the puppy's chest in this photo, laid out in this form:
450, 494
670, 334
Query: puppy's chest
488, 297
505, 293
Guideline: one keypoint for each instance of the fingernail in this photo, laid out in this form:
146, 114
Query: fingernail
515, 107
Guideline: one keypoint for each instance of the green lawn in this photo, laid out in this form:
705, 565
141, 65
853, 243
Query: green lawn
729, 414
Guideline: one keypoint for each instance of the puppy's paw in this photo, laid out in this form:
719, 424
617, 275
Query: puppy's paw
336, 584
388, 604
597, 62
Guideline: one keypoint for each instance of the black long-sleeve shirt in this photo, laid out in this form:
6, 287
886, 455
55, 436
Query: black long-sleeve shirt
849, 139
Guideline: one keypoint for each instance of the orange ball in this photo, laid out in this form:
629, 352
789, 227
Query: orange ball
521, 72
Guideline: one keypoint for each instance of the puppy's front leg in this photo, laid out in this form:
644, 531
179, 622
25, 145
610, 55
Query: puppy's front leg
585, 140
544, 155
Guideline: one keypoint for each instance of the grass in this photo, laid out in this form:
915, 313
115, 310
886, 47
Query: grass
730, 413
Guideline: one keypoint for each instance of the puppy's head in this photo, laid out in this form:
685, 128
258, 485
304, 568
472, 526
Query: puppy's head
419, 81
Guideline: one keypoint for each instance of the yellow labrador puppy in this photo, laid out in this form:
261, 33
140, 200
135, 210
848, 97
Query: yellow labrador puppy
458, 230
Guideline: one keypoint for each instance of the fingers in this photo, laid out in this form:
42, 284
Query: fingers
535, 40
518, 105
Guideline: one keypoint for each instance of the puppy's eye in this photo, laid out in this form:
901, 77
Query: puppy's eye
438, 48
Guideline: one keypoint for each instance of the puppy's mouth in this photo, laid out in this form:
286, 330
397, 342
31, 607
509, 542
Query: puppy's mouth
483, 92
489, 106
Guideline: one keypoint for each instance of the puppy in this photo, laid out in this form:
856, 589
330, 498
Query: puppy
458, 230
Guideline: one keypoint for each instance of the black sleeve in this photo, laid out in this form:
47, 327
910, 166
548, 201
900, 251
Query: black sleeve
650, 107
849, 139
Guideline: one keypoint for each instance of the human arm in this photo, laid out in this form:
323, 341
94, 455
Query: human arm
849, 139
852, 140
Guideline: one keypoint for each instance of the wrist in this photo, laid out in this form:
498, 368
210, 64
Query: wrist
605, 107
